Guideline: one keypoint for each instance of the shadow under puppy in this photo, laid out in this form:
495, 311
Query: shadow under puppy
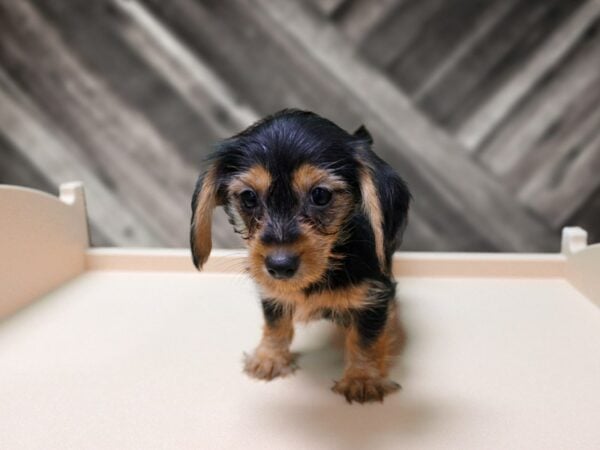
321, 214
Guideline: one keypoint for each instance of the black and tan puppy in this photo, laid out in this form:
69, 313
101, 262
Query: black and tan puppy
322, 216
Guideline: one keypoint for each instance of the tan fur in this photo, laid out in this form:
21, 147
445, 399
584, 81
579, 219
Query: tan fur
314, 256
364, 378
272, 357
314, 249
308, 176
257, 178
310, 307
372, 208
366, 370
315, 253
202, 226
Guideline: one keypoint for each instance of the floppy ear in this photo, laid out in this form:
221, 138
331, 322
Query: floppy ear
385, 199
204, 201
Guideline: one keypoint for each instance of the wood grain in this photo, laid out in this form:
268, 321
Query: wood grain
487, 108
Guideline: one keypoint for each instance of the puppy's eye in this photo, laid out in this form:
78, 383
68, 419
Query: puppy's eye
320, 196
249, 199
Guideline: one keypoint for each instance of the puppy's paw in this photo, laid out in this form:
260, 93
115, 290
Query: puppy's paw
364, 389
268, 365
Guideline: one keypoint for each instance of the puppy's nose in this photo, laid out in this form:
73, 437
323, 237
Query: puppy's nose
282, 264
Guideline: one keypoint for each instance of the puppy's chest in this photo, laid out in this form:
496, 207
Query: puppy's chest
335, 305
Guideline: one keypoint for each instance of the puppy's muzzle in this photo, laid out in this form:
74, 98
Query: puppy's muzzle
282, 264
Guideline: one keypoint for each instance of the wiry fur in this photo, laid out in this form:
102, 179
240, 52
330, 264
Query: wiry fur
345, 247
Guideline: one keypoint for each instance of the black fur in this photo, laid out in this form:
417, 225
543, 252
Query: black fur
370, 321
284, 141
272, 311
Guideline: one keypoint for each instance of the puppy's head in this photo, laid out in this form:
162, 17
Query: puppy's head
290, 185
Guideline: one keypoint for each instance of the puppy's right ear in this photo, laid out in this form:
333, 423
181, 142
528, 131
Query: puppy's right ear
204, 201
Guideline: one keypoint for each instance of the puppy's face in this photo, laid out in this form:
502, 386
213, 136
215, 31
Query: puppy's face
290, 185
290, 219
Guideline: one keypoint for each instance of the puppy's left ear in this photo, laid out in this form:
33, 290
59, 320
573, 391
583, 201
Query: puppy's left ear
363, 135
204, 201
385, 198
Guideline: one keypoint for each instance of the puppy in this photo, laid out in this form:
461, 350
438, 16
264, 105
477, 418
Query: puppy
321, 214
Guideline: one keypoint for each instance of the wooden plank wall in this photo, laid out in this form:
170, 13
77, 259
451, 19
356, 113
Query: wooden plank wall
489, 108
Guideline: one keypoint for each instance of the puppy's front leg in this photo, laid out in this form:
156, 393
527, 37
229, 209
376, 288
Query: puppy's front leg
369, 344
272, 358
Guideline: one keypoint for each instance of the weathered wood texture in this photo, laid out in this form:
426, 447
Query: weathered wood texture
488, 108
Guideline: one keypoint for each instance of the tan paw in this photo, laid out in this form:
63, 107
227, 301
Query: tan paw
268, 366
364, 389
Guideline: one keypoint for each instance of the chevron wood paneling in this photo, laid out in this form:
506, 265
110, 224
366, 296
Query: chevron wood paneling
487, 108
